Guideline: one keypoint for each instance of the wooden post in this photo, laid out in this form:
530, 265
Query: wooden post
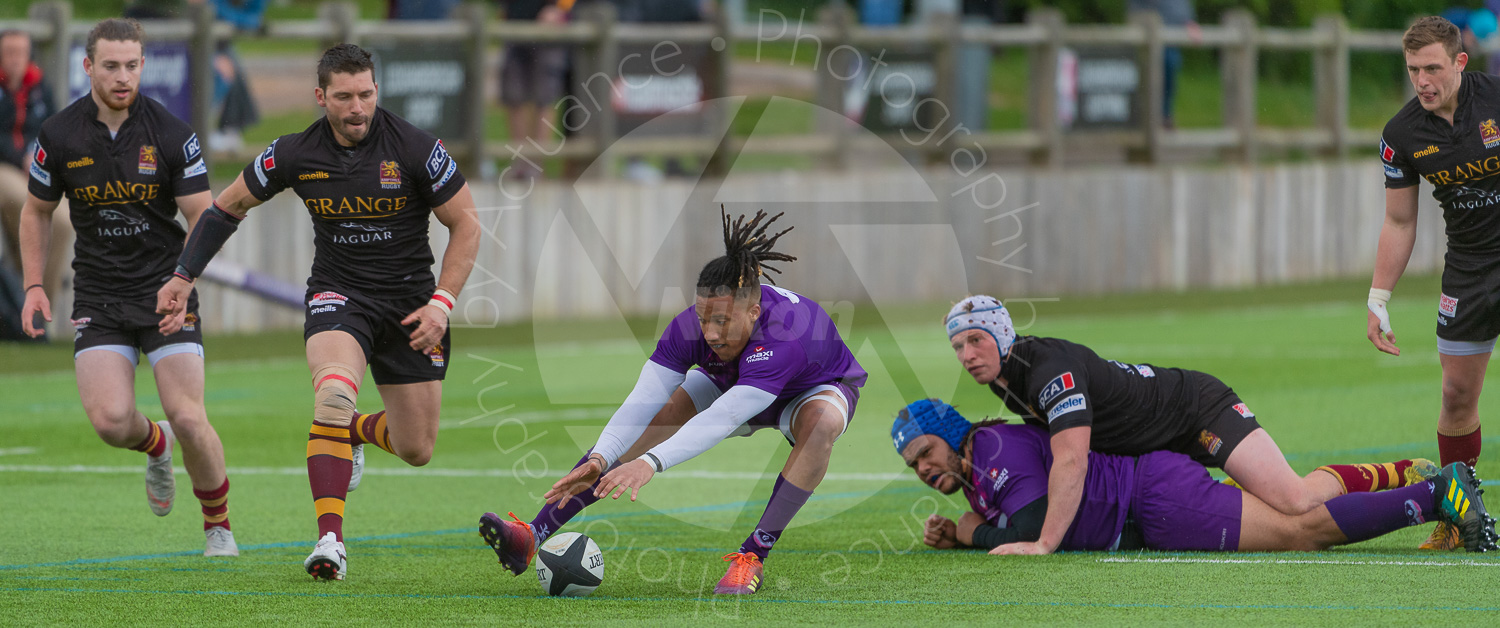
1331, 76
1042, 108
341, 17
945, 69
601, 58
1154, 53
56, 66
200, 68
830, 91
721, 58
1238, 72
474, 14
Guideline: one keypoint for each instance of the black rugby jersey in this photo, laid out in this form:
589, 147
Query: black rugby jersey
121, 194
1459, 160
1132, 408
369, 203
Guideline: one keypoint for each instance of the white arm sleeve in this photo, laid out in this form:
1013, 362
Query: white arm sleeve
733, 409
652, 391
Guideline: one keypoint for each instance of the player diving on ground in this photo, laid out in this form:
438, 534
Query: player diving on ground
1088, 403
1162, 500
742, 358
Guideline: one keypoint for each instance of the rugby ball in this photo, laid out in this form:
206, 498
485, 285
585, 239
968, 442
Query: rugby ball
569, 565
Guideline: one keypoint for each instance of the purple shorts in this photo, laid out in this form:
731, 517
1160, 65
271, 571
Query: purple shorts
705, 389
1179, 507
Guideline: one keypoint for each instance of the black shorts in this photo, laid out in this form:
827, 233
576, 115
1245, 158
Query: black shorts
1222, 422
132, 324
1469, 307
376, 324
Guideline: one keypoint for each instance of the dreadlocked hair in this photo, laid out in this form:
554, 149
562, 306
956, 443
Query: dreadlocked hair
747, 248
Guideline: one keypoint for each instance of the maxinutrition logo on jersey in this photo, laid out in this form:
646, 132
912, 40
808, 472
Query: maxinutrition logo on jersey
1070, 404
1058, 385
759, 355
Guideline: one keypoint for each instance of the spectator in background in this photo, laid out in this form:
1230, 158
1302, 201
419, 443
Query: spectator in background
232, 98
25, 102
420, 9
531, 79
1173, 13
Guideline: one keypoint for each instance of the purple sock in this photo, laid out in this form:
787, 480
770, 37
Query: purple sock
1363, 516
554, 515
786, 500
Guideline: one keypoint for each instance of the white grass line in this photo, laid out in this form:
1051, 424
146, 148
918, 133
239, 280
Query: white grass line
1305, 561
18, 451
455, 473
539, 416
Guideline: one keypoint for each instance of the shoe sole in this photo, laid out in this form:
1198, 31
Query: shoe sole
1485, 521
324, 569
493, 530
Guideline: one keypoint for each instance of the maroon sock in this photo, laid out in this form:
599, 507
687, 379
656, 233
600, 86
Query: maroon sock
215, 506
155, 444
1463, 449
330, 462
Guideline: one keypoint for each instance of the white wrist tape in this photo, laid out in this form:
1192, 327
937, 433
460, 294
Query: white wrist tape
1376, 303
443, 300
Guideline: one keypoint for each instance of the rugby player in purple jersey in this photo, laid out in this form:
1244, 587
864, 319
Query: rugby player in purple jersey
1162, 500
744, 357
1088, 403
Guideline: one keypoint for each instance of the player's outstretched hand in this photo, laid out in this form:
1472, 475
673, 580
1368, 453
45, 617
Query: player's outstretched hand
940, 532
171, 303
576, 481
431, 324
36, 301
1378, 330
631, 475
1028, 549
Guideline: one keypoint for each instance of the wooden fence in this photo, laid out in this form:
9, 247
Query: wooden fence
597, 37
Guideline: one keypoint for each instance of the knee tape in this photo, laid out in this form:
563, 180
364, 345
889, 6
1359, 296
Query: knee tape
335, 393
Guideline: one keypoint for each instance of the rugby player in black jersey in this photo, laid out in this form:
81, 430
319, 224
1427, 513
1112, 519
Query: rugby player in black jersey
369, 180
1088, 403
127, 166
1449, 135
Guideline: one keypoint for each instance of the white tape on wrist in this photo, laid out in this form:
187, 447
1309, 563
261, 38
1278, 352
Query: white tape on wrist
443, 300
1377, 301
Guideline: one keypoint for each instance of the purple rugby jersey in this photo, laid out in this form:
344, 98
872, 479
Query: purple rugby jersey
1010, 466
793, 347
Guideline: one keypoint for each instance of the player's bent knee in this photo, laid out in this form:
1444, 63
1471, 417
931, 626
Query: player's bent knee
335, 394
415, 456
825, 427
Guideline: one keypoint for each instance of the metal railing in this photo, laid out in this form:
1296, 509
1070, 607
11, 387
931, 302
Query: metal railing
597, 36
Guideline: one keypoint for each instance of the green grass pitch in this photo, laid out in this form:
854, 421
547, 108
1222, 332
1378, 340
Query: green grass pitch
78, 545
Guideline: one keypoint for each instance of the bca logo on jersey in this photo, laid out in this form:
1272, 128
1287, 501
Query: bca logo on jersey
190, 149
265, 163
37, 171
1058, 385
436, 160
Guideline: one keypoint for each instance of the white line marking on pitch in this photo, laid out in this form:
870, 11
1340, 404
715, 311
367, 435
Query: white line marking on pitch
456, 473
18, 451
1302, 561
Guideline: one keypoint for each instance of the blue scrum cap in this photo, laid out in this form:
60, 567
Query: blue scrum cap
929, 416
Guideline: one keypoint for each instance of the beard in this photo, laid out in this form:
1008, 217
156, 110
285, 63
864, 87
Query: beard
108, 98
353, 135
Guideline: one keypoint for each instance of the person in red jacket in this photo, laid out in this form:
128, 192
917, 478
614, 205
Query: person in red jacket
25, 101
